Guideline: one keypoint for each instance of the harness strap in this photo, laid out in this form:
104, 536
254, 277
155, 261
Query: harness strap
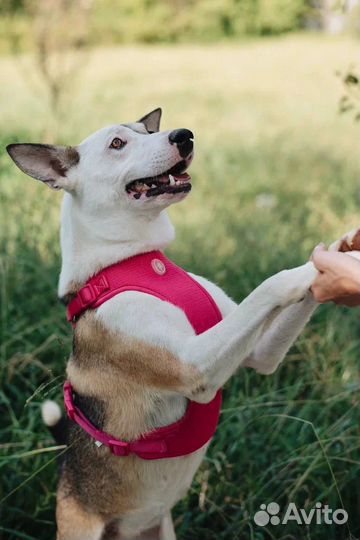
151, 273
178, 439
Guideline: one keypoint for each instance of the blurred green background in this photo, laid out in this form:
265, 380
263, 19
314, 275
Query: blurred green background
262, 83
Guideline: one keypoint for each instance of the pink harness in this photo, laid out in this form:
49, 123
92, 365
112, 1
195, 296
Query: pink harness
153, 273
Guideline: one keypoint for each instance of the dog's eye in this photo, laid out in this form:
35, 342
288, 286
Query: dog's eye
117, 143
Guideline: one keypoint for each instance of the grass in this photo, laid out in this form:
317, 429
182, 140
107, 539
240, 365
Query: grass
274, 174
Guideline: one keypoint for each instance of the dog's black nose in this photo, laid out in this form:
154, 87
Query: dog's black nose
183, 138
179, 136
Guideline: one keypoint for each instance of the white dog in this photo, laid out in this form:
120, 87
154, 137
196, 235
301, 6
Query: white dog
118, 184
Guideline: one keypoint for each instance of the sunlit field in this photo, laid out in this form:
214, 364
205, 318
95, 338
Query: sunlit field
275, 173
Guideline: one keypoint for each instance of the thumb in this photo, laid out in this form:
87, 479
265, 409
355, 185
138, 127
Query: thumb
317, 249
320, 258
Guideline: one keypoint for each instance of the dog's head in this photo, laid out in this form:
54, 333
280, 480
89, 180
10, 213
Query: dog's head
126, 165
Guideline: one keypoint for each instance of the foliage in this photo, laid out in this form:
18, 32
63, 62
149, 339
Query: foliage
12, 6
276, 16
274, 173
150, 21
59, 32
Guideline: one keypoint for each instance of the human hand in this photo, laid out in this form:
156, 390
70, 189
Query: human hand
339, 277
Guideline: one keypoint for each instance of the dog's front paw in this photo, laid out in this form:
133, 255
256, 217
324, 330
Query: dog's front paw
293, 285
349, 242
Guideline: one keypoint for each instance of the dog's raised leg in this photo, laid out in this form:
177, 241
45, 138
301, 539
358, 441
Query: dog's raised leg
280, 335
218, 352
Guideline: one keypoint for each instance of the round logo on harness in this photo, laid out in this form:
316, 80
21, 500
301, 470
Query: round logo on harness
158, 267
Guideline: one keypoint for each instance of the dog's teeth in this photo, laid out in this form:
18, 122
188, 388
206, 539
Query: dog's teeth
172, 181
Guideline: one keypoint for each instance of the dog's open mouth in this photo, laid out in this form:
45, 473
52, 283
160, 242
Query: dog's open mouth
175, 180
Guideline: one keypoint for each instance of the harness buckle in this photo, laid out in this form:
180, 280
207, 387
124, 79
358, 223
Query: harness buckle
119, 448
87, 295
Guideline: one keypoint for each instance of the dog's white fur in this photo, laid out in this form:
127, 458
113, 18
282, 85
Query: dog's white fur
100, 225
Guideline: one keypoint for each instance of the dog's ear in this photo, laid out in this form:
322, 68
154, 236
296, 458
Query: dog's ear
152, 120
45, 162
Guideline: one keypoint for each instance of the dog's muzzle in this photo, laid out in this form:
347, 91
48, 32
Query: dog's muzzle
184, 140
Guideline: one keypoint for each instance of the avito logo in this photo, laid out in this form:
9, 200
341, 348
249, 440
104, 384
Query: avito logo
319, 514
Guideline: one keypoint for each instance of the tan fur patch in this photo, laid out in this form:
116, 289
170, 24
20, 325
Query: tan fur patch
107, 365
72, 156
73, 521
99, 352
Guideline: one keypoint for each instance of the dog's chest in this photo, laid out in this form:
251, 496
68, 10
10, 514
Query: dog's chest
163, 484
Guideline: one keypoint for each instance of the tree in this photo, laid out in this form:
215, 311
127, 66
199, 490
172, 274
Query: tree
60, 29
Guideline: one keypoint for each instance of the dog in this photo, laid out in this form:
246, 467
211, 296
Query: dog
136, 360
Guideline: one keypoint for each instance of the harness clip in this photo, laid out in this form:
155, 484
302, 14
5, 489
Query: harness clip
87, 295
119, 448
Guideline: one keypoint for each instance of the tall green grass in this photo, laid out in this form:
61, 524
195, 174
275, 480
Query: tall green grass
275, 173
